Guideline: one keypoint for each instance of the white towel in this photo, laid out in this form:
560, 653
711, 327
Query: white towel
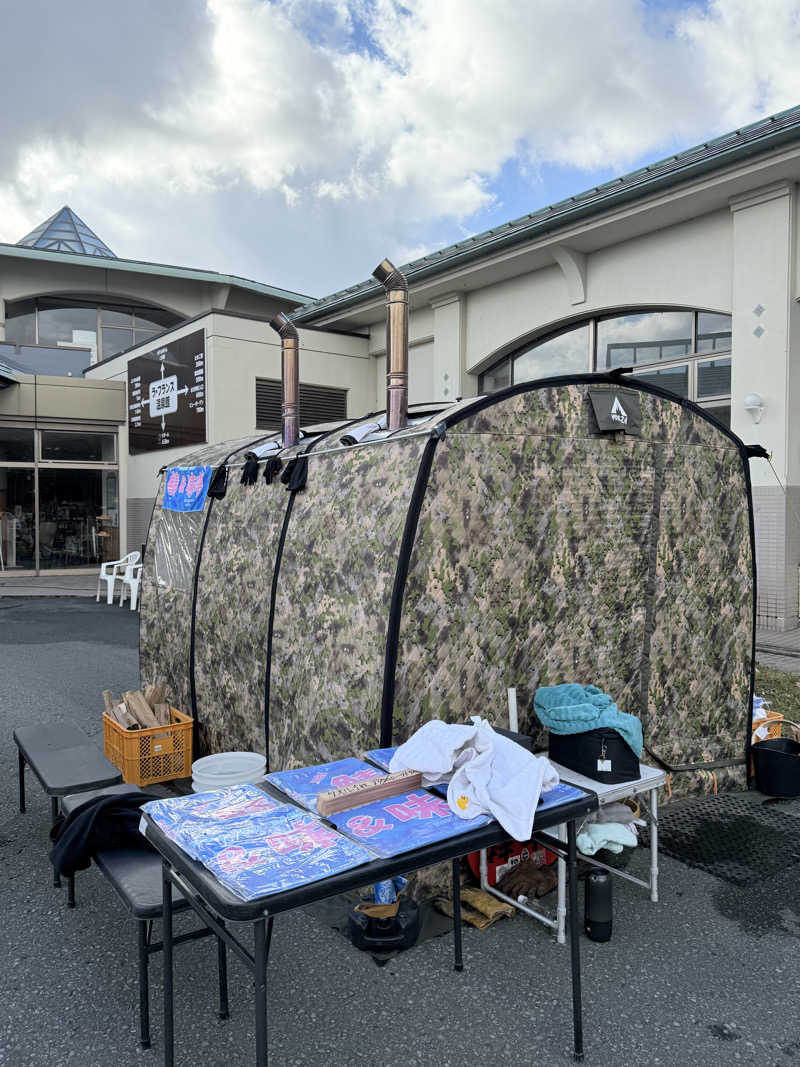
487, 773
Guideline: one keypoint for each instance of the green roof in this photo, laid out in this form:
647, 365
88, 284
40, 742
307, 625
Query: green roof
142, 267
731, 148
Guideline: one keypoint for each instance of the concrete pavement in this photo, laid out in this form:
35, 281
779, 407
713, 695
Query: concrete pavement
708, 976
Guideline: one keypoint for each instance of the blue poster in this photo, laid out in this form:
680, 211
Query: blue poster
186, 488
559, 794
192, 820
382, 757
288, 849
306, 783
399, 824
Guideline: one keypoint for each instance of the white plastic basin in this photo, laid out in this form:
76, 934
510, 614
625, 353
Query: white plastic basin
227, 765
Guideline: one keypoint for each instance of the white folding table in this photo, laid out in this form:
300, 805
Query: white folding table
651, 780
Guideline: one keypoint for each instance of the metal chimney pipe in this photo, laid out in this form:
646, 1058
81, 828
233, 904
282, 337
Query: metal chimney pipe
396, 286
290, 379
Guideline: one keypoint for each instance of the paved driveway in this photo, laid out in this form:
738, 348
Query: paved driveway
709, 976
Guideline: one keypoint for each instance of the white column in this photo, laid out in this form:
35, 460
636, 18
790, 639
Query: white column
450, 378
764, 326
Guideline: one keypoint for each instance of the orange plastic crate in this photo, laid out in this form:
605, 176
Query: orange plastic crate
158, 754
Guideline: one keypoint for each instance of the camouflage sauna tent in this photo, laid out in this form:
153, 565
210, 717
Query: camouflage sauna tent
502, 541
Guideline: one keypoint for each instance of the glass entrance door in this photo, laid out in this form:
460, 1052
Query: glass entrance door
17, 519
78, 523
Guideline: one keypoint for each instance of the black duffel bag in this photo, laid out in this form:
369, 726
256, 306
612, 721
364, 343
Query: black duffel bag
601, 754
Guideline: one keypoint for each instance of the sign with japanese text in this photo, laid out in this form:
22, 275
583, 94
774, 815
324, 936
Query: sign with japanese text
399, 824
186, 488
167, 396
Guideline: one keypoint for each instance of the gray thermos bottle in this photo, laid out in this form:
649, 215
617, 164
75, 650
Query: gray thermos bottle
597, 912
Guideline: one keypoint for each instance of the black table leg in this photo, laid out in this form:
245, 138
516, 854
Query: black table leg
21, 775
53, 818
222, 968
458, 965
144, 986
574, 942
260, 976
166, 922
71, 890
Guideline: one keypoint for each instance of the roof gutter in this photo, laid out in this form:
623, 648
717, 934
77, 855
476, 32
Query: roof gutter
686, 166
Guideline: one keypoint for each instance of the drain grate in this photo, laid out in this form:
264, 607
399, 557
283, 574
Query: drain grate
739, 837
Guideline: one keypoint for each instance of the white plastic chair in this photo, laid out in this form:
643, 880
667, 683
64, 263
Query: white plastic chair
131, 578
113, 571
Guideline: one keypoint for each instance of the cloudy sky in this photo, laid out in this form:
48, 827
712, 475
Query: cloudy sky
297, 142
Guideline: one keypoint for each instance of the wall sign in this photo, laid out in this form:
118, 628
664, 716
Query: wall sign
167, 396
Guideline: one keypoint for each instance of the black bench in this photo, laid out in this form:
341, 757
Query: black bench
64, 760
135, 876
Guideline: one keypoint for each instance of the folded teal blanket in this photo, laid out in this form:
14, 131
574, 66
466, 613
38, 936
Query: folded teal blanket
573, 709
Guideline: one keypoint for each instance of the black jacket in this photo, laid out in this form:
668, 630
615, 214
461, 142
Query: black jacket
107, 821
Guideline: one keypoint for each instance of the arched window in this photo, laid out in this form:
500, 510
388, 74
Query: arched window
84, 322
668, 348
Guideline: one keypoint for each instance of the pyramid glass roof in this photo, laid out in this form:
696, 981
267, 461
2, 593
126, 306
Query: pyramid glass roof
65, 232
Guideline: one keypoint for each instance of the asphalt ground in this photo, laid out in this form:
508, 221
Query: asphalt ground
710, 975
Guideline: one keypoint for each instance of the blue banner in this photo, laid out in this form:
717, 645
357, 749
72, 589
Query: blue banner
252, 844
402, 823
306, 783
186, 488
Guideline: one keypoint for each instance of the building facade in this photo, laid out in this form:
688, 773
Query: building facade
67, 303
685, 271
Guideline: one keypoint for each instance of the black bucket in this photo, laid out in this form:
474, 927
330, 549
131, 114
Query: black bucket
777, 767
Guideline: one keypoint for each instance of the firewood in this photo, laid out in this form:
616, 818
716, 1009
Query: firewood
113, 713
140, 710
125, 719
109, 701
154, 694
161, 712
367, 792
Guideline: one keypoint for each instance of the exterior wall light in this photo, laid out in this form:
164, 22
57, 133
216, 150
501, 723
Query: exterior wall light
755, 405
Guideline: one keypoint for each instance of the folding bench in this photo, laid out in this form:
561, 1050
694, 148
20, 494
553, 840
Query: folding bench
64, 760
135, 876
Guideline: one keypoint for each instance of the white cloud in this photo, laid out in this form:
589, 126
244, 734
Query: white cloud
353, 128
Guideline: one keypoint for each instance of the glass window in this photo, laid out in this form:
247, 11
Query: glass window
154, 318
177, 534
721, 412
648, 337
67, 324
714, 377
713, 332
565, 354
115, 340
21, 322
73, 447
75, 527
496, 378
16, 445
675, 379
17, 538
116, 316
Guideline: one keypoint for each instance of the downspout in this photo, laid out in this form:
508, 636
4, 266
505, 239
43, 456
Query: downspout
396, 286
290, 379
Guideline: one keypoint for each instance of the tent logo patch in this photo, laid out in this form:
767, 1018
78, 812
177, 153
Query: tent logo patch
618, 412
